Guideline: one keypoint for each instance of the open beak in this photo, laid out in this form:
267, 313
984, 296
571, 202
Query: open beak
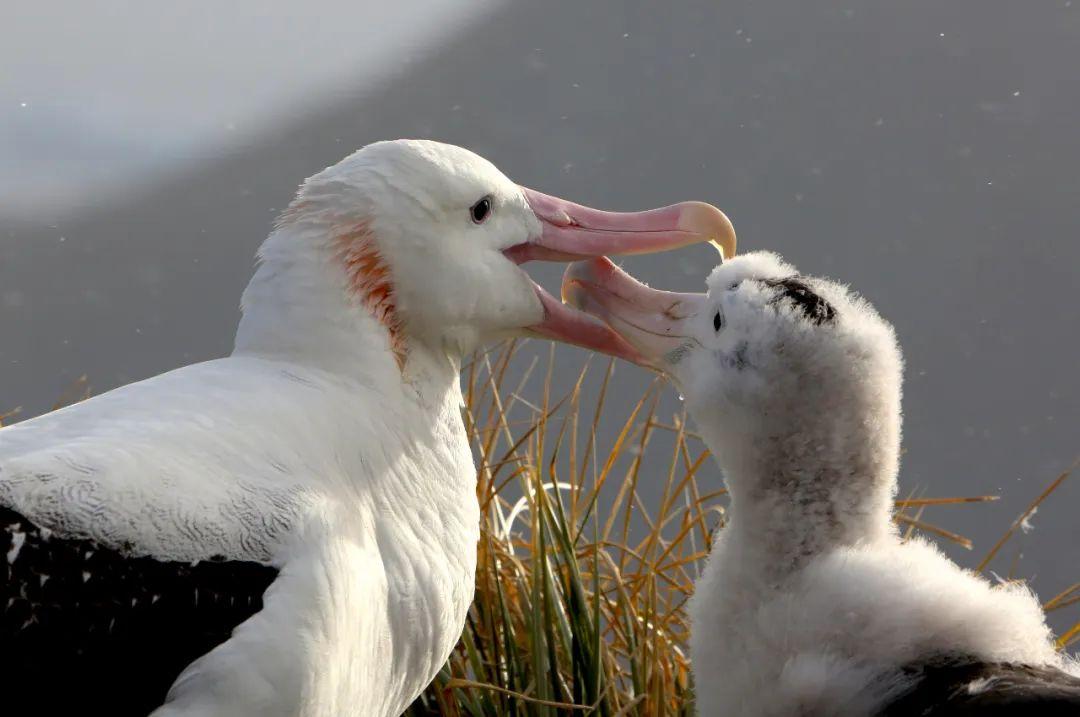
571, 232
645, 324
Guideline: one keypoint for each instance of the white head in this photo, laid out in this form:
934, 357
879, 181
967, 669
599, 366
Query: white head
424, 239
794, 382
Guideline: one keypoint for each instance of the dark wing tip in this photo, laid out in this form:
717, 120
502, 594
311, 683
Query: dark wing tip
957, 687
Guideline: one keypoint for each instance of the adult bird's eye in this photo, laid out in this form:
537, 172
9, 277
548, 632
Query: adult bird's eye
717, 321
481, 210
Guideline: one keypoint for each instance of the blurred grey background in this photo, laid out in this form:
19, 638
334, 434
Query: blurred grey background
925, 152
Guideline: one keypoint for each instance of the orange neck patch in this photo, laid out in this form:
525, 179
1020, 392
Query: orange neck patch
369, 280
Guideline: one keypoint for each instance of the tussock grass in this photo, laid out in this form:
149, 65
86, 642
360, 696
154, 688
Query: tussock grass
574, 613
581, 585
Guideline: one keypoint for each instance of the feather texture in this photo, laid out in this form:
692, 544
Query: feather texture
360, 498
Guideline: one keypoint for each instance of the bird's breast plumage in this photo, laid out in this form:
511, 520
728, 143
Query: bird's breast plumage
362, 503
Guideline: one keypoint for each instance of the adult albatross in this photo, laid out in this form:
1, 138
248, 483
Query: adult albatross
291, 530
810, 603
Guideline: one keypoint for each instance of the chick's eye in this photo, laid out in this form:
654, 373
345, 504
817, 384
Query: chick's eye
481, 210
717, 321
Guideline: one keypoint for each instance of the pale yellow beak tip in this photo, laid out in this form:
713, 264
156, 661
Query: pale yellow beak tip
708, 221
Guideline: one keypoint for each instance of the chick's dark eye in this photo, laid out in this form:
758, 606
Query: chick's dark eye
717, 321
481, 210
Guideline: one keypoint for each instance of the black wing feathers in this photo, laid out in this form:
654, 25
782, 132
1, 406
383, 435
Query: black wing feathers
962, 688
89, 630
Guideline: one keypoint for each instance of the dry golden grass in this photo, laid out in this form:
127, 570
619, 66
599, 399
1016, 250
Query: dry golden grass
580, 603
581, 586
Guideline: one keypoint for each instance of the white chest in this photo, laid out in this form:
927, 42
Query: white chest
401, 559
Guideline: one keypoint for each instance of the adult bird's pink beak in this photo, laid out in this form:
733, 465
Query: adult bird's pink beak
571, 232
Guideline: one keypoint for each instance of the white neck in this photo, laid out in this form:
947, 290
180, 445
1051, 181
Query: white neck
297, 308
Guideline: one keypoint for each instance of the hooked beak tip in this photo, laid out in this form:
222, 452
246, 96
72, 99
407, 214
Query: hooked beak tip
707, 221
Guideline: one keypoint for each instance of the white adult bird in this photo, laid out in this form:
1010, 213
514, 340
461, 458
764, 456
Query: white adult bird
810, 603
324, 462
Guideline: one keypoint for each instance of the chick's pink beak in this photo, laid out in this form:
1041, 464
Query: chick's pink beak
652, 323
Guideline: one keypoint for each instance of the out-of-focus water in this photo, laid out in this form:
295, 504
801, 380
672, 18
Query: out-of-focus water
98, 97
924, 152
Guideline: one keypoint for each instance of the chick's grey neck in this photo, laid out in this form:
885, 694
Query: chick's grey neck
799, 493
